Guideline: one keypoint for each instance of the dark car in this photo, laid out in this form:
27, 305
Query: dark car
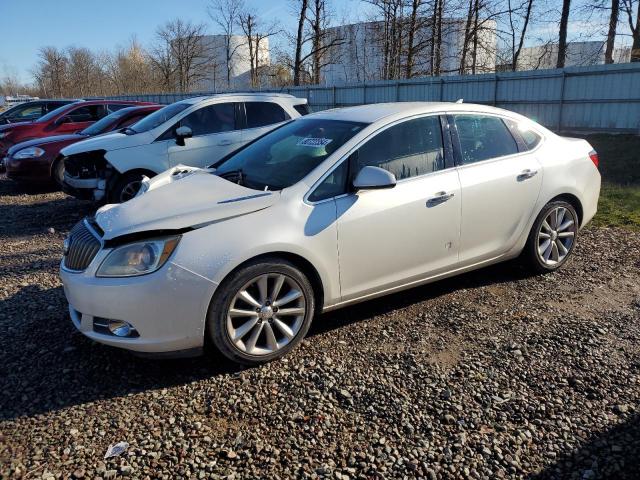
30, 111
38, 160
69, 118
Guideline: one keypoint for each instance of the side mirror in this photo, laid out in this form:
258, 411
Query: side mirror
374, 178
181, 134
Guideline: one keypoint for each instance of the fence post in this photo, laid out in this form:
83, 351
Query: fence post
561, 101
397, 90
441, 88
334, 96
495, 90
364, 93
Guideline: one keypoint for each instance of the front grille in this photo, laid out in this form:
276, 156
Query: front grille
82, 246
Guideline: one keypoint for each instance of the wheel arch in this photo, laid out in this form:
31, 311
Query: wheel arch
573, 201
310, 271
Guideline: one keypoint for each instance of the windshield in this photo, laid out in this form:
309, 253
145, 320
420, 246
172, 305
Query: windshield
104, 125
52, 114
158, 117
285, 156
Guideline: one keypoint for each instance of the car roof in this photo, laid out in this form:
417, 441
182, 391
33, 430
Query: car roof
257, 95
373, 112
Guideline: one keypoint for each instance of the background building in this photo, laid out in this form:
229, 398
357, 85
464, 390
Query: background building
578, 54
215, 59
360, 56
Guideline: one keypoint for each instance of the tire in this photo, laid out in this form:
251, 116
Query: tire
57, 172
562, 239
125, 188
261, 314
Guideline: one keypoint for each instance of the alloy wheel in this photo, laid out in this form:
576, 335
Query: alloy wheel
130, 190
266, 314
556, 236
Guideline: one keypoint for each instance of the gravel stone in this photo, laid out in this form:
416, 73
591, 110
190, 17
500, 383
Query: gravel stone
495, 374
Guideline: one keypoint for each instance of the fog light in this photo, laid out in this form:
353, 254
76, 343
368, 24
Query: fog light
120, 328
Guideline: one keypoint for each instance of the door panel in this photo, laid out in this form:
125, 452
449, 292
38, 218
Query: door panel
392, 237
388, 238
215, 134
498, 194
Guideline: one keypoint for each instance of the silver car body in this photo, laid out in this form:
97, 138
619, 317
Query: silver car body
357, 245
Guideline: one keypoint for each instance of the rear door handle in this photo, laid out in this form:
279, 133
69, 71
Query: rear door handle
527, 174
226, 141
440, 197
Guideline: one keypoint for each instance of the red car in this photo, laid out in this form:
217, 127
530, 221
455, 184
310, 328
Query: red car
69, 118
38, 160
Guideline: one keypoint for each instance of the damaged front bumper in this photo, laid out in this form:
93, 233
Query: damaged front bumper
86, 175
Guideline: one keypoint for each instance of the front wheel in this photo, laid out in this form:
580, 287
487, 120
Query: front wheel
552, 237
126, 187
261, 312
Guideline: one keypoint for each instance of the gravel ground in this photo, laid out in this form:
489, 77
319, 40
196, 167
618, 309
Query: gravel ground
494, 374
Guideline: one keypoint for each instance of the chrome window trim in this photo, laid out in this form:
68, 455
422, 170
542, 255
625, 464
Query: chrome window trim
345, 157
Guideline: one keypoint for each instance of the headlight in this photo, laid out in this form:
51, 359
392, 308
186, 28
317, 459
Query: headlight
137, 258
31, 152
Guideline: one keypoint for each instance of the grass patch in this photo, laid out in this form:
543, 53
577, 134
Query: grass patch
619, 206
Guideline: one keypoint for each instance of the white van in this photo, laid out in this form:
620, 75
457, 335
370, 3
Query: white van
196, 132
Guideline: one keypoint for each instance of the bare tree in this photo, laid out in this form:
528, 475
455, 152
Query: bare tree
256, 36
519, 18
634, 25
51, 71
562, 38
611, 33
225, 13
83, 72
297, 65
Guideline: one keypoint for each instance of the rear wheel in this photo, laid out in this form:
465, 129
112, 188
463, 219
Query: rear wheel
261, 312
126, 187
552, 237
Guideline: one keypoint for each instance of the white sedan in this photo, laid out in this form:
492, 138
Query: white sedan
328, 210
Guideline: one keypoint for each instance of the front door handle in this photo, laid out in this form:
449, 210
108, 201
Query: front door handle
226, 141
440, 197
526, 174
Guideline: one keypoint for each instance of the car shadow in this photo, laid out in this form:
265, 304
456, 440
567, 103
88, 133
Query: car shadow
611, 454
46, 365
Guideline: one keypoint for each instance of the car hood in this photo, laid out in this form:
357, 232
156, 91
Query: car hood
107, 142
36, 142
194, 198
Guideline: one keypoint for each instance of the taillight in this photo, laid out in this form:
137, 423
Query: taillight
593, 155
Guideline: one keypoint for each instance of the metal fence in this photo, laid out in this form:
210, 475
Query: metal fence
602, 98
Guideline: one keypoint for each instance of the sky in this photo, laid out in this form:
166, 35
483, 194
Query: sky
27, 25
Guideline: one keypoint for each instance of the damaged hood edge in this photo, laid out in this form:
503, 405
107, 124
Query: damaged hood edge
182, 197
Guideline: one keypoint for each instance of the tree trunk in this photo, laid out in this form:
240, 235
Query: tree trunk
297, 66
412, 30
562, 39
439, 38
317, 39
516, 55
635, 47
611, 34
465, 40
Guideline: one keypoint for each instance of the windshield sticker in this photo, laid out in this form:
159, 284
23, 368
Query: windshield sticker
314, 142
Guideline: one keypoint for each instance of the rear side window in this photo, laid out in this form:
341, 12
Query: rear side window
408, 149
114, 107
530, 138
260, 114
211, 119
302, 109
483, 137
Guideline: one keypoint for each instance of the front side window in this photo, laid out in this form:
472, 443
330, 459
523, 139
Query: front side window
408, 149
333, 184
260, 114
286, 155
27, 112
211, 119
158, 117
483, 137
